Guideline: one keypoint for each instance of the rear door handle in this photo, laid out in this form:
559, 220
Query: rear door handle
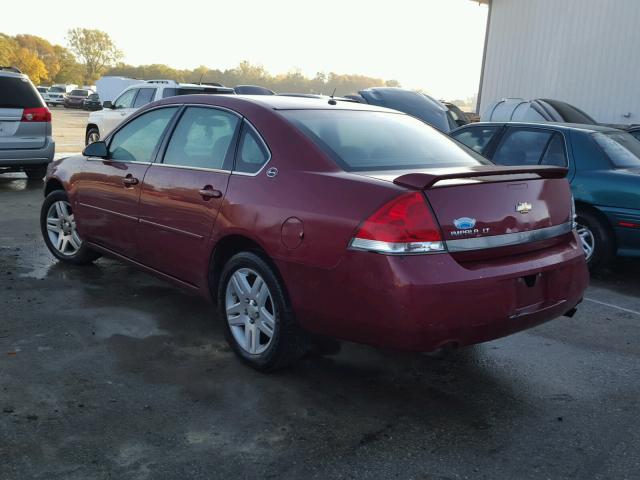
130, 181
208, 192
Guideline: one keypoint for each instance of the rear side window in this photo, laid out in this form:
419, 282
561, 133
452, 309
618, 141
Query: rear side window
202, 138
126, 99
522, 147
555, 154
18, 92
368, 140
138, 139
145, 95
622, 148
476, 138
252, 154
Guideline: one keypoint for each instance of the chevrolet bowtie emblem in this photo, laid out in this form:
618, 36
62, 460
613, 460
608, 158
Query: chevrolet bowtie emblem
523, 207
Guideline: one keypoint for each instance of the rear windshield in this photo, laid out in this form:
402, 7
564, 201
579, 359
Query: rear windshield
17, 92
622, 148
79, 93
364, 140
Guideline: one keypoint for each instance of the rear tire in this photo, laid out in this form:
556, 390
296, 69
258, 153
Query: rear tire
251, 311
36, 173
597, 239
57, 224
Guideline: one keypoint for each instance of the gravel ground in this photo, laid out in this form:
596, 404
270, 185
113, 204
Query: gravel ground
106, 372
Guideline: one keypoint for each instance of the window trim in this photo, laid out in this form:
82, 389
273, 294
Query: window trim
159, 158
247, 123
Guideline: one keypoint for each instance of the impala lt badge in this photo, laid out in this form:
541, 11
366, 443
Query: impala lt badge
467, 226
523, 207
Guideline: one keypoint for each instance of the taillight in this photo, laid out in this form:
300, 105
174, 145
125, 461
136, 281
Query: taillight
40, 114
404, 225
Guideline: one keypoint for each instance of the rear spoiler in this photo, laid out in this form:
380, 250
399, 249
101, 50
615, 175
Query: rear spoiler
428, 179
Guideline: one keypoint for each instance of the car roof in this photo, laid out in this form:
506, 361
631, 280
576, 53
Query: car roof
558, 125
277, 102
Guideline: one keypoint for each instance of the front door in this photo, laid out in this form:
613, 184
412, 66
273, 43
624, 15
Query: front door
182, 194
122, 108
108, 190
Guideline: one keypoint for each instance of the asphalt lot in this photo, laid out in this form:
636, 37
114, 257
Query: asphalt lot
68, 127
106, 372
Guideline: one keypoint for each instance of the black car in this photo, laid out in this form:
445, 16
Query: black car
92, 102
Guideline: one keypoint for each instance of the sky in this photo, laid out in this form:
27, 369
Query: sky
433, 45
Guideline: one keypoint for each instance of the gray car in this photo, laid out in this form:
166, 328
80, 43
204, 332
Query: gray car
26, 143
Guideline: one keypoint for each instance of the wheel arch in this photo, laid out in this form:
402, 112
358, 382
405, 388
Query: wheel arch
52, 185
226, 248
580, 205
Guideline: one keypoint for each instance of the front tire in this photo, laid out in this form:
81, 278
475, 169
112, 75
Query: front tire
259, 323
58, 226
596, 238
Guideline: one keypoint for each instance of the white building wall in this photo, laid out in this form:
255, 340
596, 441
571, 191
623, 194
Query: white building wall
584, 52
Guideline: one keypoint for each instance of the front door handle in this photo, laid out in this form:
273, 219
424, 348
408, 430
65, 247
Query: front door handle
130, 181
208, 192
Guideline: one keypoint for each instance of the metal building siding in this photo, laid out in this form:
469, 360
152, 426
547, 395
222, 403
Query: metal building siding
585, 52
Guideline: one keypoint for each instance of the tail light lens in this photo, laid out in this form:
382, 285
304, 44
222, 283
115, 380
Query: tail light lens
40, 114
404, 225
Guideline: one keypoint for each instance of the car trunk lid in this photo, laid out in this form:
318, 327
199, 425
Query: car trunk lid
487, 211
16, 95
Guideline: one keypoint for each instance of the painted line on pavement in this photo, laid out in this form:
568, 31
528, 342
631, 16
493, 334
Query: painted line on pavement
610, 305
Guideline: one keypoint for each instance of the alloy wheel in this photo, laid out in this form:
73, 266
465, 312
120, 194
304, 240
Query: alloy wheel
588, 240
61, 228
250, 311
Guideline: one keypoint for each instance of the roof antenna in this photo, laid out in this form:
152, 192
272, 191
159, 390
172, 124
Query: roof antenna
332, 100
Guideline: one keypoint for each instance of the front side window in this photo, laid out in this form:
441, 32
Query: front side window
622, 148
145, 95
126, 99
252, 154
522, 147
202, 138
476, 138
138, 139
367, 140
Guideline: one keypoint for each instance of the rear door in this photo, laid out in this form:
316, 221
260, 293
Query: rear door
17, 94
183, 193
108, 190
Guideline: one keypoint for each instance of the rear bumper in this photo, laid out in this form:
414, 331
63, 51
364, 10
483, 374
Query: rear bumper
424, 302
26, 157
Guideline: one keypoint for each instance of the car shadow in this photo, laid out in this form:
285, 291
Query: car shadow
15, 182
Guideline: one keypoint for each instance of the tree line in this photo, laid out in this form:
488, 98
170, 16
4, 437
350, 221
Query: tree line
90, 54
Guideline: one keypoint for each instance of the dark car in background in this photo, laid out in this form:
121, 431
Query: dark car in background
252, 90
604, 172
536, 110
26, 143
302, 215
92, 102
76, 98
416, 104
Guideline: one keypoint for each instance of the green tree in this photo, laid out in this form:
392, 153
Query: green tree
70, 70
95, 49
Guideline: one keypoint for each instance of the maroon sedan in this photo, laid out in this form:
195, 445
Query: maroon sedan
305, 217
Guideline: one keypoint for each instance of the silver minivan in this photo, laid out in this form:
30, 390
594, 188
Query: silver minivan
26, 143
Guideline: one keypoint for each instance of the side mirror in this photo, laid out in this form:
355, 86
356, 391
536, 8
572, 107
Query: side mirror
96, 149
107, 104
